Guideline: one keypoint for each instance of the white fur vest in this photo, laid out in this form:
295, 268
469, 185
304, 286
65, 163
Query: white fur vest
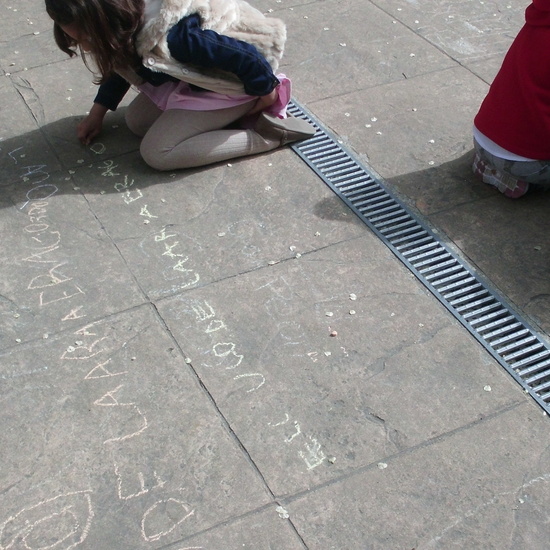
234, 18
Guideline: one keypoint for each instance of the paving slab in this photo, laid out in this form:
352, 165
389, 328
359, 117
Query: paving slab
110, 442
21, 144
309, 403
488, 68
441, 187
59, 96
263, 530
23, 18
475, 488
29, 51
375, 121
51, 239
346, 46
242, 364
181, 230
466, 31
518, 230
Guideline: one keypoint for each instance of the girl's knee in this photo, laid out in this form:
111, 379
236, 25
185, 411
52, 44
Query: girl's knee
135, 122
152, 156
162, 158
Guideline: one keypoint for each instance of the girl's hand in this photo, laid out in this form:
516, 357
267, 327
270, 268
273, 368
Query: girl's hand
91, 126
264, 102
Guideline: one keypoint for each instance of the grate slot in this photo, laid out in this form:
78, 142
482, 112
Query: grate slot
456, 277
510, 325
433, 262
392, 221
414, 246
426, 243
533, 359
359, 191
465, 279
508, 338
371, 203
435, 270
493, 305
409, 225
359, 182
496, 312
441, 276
358, 186
521, 348
541, 376
472, 300
375, 196
413, 236
510, 358
385, 214
316, 142
432, 253
542, 387
461, 291
344, 170
500, 321
527, 373
319, 151
336, 179
335, 160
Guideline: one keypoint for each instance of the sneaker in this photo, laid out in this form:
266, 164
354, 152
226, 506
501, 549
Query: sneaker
510, 187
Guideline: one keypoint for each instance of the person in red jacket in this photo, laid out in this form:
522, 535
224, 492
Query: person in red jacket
512, 127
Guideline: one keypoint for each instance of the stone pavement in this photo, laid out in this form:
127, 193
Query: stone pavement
168, 374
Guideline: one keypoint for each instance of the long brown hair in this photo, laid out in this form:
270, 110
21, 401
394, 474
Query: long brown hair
111, 26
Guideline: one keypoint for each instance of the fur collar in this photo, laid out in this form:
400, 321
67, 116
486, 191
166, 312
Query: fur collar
235, 18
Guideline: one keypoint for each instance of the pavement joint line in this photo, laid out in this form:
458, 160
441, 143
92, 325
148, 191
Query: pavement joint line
228, 522
430, 43
473, 300
67, 331
225, 422
287, 499
267, 265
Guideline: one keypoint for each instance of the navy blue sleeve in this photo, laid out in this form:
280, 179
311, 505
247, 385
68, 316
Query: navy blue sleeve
110, 93
188, 43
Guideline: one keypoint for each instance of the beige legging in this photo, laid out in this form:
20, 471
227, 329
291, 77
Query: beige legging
178, 138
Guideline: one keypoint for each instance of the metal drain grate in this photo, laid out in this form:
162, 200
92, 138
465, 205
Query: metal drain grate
492, 321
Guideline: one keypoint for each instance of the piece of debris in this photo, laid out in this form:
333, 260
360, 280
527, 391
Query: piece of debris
283, 514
